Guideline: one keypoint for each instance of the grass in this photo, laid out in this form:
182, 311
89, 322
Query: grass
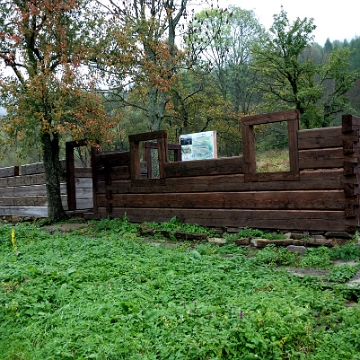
273, 161
104, 293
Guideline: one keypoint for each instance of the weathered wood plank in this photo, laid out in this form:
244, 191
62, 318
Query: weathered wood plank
272, 176
113, 158
33, 190
266, 219
270, 117
37, 168
293, 127
117, 173
83, 172
262, 200
350, 122
33, 211
232, 165
23, 201
309, 180
321, 158
147, 136
320, 138
9, 171
248, 148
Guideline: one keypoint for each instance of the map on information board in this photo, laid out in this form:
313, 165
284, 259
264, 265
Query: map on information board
198, 146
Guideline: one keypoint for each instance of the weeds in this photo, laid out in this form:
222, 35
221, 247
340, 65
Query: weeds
106, 294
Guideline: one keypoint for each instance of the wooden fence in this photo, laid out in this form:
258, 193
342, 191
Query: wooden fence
23, 190
318, 193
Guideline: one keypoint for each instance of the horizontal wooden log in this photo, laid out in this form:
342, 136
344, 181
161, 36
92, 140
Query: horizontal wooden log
33, 190
231, 165
110, 159
23, 201
147, 136
9, 171
263, 219
262, 200
272, 176
321, 158
37, 168
33, 211
81, 172
320, 138
115, 173
309, 180
270, 117
81, 204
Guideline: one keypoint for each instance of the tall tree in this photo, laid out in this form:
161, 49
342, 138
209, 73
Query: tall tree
226, 37
291, 80
151, 45
45, 90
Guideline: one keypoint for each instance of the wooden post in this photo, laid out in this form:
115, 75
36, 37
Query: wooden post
351, 174
70, 176
94, 152
70, 172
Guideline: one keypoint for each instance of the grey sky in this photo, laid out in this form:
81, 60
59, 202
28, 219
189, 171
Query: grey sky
337, 20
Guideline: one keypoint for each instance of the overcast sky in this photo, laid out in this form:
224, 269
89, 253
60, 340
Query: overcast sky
336, 20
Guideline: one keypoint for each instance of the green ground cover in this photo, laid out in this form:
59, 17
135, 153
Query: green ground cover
104, 293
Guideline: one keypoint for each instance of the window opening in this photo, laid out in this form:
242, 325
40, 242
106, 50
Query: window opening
272, 147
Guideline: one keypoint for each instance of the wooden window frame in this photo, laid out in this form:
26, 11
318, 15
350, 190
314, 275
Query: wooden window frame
162, 147
293, 123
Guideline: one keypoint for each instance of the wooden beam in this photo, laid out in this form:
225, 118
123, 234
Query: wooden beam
320, 138
293, 127
248, 149
33, 211
231, 165
147, 136
350, 122
70, 176
321, 158
260, 200
270, 117
309, 180
267, 219
9, 171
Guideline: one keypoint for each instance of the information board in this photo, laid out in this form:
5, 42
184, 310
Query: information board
198, 146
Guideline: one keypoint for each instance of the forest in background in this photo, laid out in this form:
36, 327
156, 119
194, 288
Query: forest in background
180, 71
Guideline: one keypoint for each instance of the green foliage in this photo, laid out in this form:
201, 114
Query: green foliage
292, 78
276, 256
317, 258
254, 233
176, 225
108, 295
342, 273
346, 252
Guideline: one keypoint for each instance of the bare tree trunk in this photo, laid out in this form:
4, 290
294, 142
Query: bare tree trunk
53, 172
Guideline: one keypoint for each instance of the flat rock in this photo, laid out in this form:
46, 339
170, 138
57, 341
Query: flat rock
242, 241
297, 249
217, 241
338, 234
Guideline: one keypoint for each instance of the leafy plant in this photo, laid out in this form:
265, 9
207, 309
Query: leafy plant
316, 258
342, 273
104, 296
346, 252
254, 233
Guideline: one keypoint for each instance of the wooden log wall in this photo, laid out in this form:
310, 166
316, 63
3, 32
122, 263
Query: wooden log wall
320, 193
23, 190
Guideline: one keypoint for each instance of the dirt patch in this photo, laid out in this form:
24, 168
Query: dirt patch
66, 227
